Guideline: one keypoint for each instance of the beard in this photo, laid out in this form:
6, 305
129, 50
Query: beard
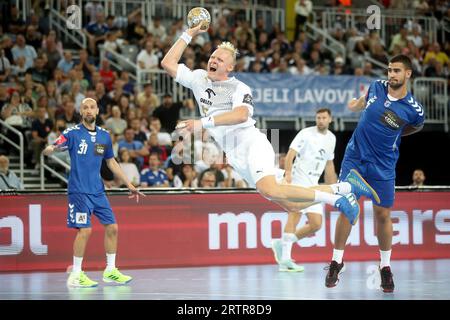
396, 85
89, 119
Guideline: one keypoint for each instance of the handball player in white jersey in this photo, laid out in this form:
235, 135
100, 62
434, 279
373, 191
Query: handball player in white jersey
310, 154
226, 108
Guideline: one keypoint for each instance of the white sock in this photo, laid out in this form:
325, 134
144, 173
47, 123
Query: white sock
110, 261
76, 267
288, 240
337, 255
385, 258
326, 197
342, 188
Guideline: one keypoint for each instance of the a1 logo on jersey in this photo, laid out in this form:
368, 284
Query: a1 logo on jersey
81, 218
82, 147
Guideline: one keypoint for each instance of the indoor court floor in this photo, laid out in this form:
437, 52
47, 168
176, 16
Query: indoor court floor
414, 279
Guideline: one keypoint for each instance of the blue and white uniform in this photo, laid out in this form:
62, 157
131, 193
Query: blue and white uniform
373, 149
86, 191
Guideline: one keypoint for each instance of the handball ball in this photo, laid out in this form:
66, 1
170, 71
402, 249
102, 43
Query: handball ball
199, 15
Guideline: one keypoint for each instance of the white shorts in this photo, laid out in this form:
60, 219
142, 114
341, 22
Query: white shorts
254, 158
318, 208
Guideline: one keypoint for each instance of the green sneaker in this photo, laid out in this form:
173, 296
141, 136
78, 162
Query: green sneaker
80, 280
116, 276
290, 266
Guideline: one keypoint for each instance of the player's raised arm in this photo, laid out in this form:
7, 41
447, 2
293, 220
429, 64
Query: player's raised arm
170, 60
357, 104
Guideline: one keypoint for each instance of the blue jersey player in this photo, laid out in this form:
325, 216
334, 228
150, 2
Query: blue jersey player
88, 145
389, 112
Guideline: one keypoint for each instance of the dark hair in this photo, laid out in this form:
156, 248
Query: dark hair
324, 110
405, 60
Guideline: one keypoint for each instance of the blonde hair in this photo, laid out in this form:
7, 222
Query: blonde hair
230, 47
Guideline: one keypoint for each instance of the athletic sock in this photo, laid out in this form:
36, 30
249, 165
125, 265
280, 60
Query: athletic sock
342, 188
337, 255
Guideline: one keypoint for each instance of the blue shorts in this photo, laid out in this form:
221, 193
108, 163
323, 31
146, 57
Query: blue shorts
384, 188
82, 206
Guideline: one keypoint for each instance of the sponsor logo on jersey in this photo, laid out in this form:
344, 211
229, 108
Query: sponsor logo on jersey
387, 104
391, 120
210, 91
81, 218
206, 101
248, 99
99, 149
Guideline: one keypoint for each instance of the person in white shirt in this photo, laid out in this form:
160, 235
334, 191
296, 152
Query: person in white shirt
226, 107
147, 59
313, 151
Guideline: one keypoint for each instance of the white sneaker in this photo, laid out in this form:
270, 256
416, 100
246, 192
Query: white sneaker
277, 248
290, 266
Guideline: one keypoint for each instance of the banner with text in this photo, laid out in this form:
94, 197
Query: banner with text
286, 95
177, 230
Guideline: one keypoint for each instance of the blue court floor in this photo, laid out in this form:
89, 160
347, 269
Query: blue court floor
414, 279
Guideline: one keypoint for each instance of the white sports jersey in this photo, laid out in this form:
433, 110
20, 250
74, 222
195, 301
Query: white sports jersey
216, 97
313, 149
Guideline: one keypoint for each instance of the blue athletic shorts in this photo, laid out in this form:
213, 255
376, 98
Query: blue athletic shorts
82, 206
384, 188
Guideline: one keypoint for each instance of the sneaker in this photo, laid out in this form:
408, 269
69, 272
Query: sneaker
360, 187
349, 206
334, 270
290, 266
387, 280
277, 248
116, 276
80, 280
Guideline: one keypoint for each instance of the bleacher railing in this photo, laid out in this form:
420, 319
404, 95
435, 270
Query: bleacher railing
50, 168
58, 22
389, 22
19, 147
433, 96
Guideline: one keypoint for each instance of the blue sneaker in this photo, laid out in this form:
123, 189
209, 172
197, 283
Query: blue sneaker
360, 187
349, 206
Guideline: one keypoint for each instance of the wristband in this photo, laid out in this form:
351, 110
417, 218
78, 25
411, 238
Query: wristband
208, 122
187, 38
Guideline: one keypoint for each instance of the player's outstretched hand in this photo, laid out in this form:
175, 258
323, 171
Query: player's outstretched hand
135, 193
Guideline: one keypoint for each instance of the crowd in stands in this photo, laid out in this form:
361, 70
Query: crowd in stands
42, 83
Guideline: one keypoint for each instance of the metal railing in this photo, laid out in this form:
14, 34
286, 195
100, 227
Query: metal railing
118, 61
330, 43
432, 94
163, 83
389, 22
58, 22
176, 9
377, 72
19, 146
44, 167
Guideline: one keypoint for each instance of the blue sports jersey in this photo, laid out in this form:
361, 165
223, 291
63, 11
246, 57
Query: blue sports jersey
153, 178
377, 137
86, 150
